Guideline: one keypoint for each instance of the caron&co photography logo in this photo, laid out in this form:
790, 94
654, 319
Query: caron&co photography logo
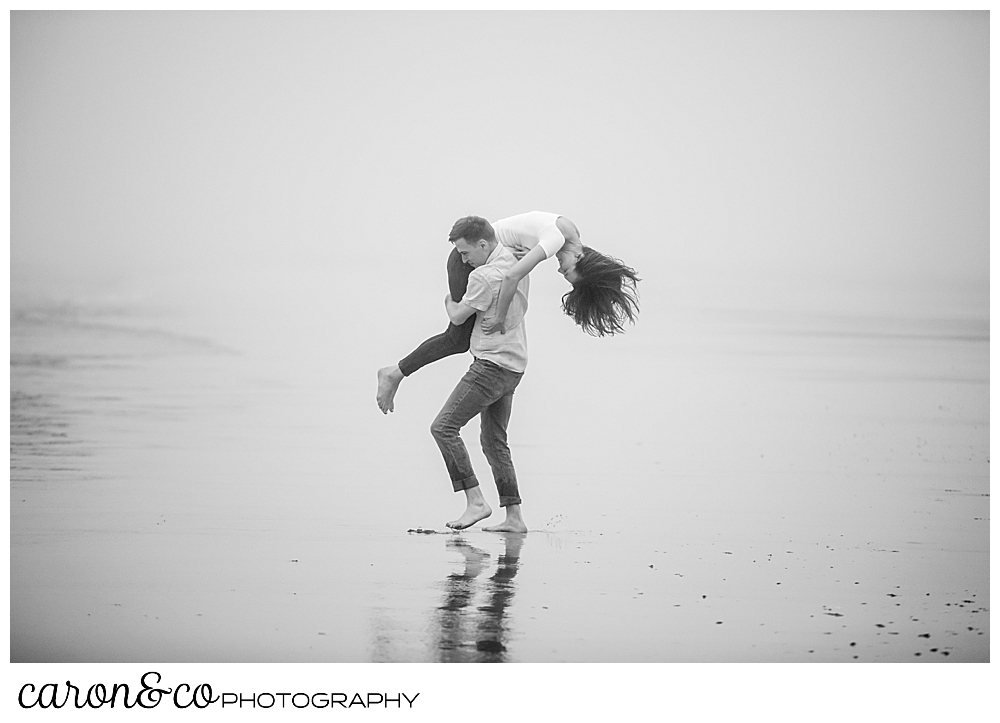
151, 692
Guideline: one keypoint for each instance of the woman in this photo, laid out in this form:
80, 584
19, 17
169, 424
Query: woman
603, 296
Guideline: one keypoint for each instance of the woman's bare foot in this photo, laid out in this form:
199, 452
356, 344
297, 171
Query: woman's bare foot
388, 382
513, 523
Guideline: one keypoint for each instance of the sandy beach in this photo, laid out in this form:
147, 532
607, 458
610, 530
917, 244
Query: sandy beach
753, 486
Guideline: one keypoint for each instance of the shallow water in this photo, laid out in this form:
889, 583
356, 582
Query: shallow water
732, 486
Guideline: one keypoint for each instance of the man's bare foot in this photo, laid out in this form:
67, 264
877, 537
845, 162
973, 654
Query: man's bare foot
507, 526
388, 382
474, 512
513, 523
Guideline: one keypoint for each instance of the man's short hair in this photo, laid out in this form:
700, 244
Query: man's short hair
472, 229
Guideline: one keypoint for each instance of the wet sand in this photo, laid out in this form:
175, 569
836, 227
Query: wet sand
732, 486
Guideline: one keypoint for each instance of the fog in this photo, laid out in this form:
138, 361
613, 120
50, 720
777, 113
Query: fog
734, 159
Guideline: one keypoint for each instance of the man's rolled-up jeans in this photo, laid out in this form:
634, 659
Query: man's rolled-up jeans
487, 389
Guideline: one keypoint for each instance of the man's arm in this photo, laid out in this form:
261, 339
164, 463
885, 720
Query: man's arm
458, 311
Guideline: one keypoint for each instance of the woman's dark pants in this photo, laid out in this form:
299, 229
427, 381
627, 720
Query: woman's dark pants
455, 339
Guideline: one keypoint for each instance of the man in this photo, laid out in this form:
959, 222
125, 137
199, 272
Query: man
487, 389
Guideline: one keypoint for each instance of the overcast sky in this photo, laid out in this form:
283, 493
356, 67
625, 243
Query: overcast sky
712, 151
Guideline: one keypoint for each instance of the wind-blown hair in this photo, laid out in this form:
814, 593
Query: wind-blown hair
472, 229
605, 295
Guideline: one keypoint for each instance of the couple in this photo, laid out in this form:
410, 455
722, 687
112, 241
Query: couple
488, 279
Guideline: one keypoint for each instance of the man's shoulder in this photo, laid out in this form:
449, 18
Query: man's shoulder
487, 275
504, 259
497, 266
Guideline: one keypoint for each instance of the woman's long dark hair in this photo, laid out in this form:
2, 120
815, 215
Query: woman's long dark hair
605, 295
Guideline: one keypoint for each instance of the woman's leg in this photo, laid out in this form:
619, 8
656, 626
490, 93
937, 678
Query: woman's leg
454, 339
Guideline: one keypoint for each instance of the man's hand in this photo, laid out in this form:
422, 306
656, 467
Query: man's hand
519, 251
458, 311
491, 327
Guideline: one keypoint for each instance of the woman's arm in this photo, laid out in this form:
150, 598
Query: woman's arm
509, 287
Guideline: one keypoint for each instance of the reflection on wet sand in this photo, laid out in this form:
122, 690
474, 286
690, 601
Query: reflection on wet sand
477, 635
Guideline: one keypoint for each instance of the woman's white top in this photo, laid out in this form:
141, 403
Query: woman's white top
535, 228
